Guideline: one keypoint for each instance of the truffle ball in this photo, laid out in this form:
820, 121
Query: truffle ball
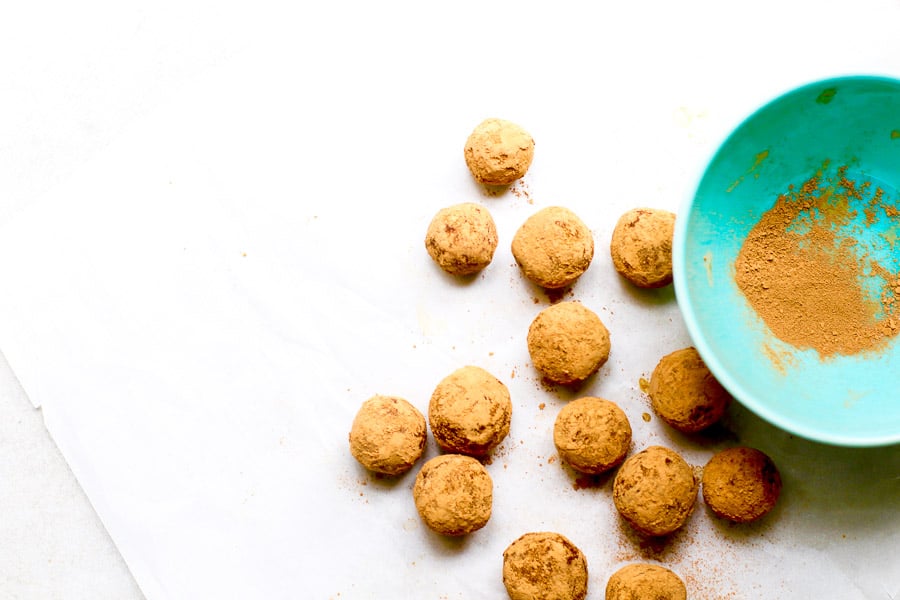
553, 247
685, 394
741, 484
592, 435
498, 152
568, 343
453, 494
544, 566
388, 435
470, 412
655, 490
640, 581
462, 238
641, 246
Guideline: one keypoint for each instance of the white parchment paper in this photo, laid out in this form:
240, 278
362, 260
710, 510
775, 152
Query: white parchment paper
201, 310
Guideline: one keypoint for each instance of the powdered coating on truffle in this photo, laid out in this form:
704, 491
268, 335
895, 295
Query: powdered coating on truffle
470, 412
741, 484
453, 494
641, 246
544, 566
498, 152
644, 581
592, 435
685, 394
568, 343
462, 238
553, 247
655, 490
388, 435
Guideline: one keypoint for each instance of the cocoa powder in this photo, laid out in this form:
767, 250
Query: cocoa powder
804, 267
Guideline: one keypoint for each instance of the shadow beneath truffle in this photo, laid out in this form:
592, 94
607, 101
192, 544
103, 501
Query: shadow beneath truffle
715, 437
459, 281
495, 191
542, 295
829, 492
579, 389
647, 296
446, 544
658, 548
389, 482
499, 451
585, 481
566, 393
743, 532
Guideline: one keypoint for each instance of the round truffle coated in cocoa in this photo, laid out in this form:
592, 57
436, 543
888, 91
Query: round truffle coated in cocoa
462, 238
553, 247
685, 394
388, 435
453, 494
741, 484
498, 152
655, 490
568, 343
641, 246
544, 566
470, 412
644, 581
592, 435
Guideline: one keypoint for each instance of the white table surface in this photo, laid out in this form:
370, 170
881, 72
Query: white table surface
73, 78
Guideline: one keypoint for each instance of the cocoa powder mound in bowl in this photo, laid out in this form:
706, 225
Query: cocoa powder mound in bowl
785, 263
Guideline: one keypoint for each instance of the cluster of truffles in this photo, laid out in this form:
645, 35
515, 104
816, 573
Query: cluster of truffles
469, 413
547, 566
553, 247
655, 490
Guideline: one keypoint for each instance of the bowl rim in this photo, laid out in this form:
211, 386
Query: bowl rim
682, 293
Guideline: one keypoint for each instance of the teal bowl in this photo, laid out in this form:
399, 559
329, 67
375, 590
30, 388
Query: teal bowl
829, 133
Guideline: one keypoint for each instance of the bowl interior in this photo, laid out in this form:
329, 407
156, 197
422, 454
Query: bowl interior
850, 123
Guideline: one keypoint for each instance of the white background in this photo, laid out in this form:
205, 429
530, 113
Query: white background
293, 134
